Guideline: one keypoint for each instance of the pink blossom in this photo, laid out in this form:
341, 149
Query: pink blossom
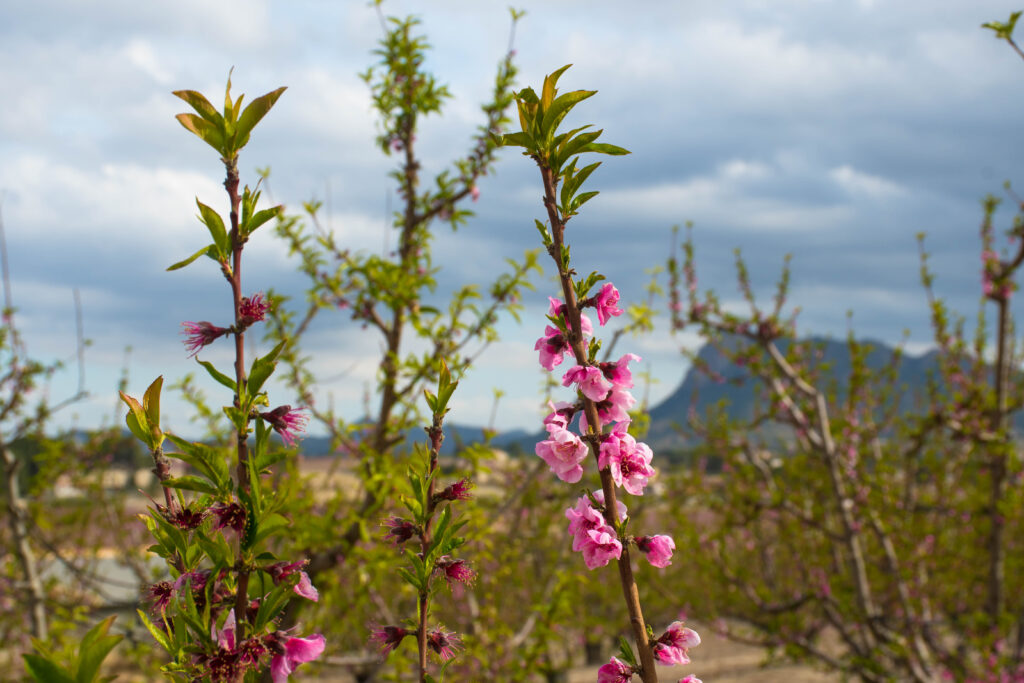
615, 671
690, 679
388, 638
673, 645
286, 422
293, 652
474, 192
606, 301
252, 309
618, 372
444, 642
614, 408
201, 334
305, 588
552, 346
281, 571
583, 519
590, 381
557, 309
627, 460
657, 548
560, 416
563, 453
601, 548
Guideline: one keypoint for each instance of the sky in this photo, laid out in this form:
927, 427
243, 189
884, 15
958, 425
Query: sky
832, 130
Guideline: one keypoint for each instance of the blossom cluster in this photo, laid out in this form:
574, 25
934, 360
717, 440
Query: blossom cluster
595, 531
607, 385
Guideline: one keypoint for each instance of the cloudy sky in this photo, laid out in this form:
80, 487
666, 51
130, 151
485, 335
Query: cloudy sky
834, 130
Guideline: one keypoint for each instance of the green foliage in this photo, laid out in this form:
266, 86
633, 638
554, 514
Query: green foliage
95, 645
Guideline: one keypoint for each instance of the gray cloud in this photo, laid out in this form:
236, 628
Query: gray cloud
834, 131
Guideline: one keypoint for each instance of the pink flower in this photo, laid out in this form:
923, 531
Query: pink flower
455, 570
557, 309
400, 530
252, 309
474, 192
615, 671
618, 372
552, 346
563, 453
201, 334
560, 416
583, 519
614, 408
286, 422
690, 679
388, 638
673, 645
590, 381
293, 652
627, 460
305, 588
605, 302
657, 548
601, 547
283, 570
443, 642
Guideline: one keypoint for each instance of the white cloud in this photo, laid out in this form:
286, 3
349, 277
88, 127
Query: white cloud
858, 182
141, 54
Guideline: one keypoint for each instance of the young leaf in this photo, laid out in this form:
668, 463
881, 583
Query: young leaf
202, 105
151, 401
210, 250
215, 224
95, 647
190, 482
206, 131
217, 375
252, 115
45, 671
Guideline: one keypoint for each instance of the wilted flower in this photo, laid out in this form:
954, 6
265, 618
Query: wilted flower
457, 491
231, 515
252, 309
444, 642
201, 334
388, 638
161, 593
286, 422
400, 530
455, 570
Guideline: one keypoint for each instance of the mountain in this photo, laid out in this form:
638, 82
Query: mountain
741, 393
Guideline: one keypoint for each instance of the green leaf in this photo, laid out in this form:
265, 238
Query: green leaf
272, 605
560, 108
159, 635
215, 224
137, 421
605, 148
269, 525
206, 459
260, 218
548, 91
151, 401
210, 250
218, 375
202, 105
252, 115
45, 671
190, 482
206, 131
263, 368
517, 140
95, 647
